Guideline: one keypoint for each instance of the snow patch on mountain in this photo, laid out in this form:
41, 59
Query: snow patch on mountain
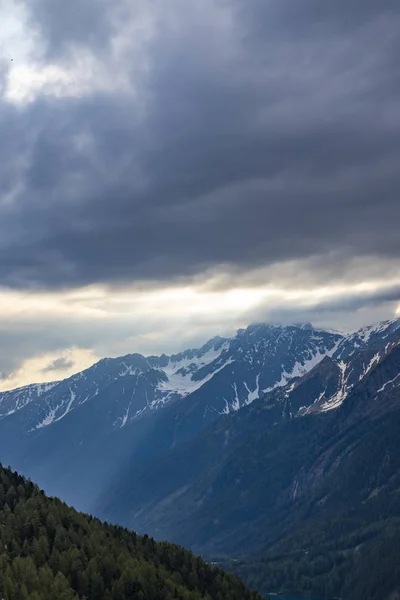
365, 333
361, 339
14, 400
48, 419
385, 385
71, 401
374, 360
301, 368
126, 416
182, 383
337, 399
257, 360
128, 370
253, 394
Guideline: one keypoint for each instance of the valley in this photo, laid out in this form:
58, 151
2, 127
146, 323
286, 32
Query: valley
277, 447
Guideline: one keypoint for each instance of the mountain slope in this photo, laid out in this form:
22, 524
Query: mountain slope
134, 408
79, 436
177, 482
49, 551
264, 481
342, 537
158, 443
242, 368
257, 358
131, 385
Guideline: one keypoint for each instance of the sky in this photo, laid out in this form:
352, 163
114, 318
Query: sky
175, 170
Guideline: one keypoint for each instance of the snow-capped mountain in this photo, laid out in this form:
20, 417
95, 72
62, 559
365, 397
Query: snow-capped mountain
132, 384
327, 385
14, 400
240, 369
331, 382
236, 371
372, 337
81, 428
257, 476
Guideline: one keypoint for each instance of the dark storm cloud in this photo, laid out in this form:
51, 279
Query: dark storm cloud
59, 363
342, 309
63, 24
313, 15
278, 142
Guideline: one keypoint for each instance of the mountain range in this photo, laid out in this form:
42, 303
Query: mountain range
60, 432
238, 449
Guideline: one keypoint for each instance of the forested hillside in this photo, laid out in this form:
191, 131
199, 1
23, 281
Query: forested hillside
49, 551
344, 540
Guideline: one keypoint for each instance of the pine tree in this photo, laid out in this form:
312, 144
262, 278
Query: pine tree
50, 552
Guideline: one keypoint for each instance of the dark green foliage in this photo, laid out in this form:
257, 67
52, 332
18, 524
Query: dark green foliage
336, 568
49, 551
344, 539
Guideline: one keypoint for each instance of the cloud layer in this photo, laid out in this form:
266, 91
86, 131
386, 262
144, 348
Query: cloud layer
259, 132
198, 144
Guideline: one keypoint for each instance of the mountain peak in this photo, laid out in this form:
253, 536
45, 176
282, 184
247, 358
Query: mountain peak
307, 326
116, 399
273, 326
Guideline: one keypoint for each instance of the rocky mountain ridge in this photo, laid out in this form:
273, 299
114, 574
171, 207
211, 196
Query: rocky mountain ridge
249, 479
76, 436
268, 357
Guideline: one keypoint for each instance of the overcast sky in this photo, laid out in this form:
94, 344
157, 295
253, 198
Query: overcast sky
174, 170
